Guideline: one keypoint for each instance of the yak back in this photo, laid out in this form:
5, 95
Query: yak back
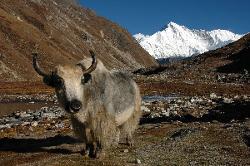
114, 90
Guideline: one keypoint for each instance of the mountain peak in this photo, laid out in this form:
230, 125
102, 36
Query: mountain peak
172, 24
178, 41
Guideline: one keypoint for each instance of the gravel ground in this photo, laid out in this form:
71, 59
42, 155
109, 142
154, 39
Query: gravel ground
174, 130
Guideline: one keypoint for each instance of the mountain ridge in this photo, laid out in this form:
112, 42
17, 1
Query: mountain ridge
178, 41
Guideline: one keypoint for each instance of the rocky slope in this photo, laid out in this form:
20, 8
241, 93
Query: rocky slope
178, 41
61, 32
229, 64
232, 58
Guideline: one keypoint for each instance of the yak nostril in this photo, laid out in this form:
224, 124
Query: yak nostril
75, 105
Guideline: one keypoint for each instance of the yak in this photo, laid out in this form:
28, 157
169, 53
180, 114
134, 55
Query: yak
104, 106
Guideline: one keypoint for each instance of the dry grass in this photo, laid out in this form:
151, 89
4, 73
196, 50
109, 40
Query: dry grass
61, 33
23, 88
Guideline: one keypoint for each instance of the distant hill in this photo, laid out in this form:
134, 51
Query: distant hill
232, 58
230, 63
61, 32
178, 41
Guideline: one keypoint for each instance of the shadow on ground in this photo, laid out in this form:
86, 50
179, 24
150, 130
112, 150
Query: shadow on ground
31, 145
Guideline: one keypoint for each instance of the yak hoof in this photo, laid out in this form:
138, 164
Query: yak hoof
96, 154
129, 142
99, 154
95, 151
84, 153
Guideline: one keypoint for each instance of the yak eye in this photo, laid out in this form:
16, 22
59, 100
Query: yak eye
53, 80
57, 81
86, 78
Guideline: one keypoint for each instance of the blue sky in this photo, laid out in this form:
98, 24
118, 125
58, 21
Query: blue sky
149, 16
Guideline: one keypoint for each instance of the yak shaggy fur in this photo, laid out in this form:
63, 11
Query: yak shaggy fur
111, 105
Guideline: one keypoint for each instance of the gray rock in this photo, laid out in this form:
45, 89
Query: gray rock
24, 114
227, 100
125, 150
59, 125
166, 113
138, 161
25, 123
213, 96
34, 124
50, 115
5, 126
145, 109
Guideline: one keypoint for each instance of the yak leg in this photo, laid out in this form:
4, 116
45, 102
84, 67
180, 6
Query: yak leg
95, 150
85, 151
127, 134
91, 150
128, 128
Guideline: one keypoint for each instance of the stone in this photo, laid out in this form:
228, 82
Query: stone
24, 114
166, 113
138, 161
145, 109
227, 100
48, 115
25, 123
34, 124
5, 126
125, 150
59, 125
213, 96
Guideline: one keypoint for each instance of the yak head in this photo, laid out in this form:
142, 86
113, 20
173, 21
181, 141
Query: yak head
68, 81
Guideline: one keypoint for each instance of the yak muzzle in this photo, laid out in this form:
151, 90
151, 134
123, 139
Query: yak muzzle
75, 105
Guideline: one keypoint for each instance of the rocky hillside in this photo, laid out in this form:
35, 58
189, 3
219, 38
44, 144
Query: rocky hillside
229, 64
233, 58
61, 32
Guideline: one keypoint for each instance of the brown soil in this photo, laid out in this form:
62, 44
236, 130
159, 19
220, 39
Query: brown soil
155, 144
146, 88
209, 140
24, 88
196, 89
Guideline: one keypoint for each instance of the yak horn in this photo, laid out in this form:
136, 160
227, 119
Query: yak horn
93, 65
37, 67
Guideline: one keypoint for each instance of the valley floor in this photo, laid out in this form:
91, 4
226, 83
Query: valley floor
202, 124
175, 143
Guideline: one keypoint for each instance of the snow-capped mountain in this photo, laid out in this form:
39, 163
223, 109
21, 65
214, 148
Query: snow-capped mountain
179, 41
